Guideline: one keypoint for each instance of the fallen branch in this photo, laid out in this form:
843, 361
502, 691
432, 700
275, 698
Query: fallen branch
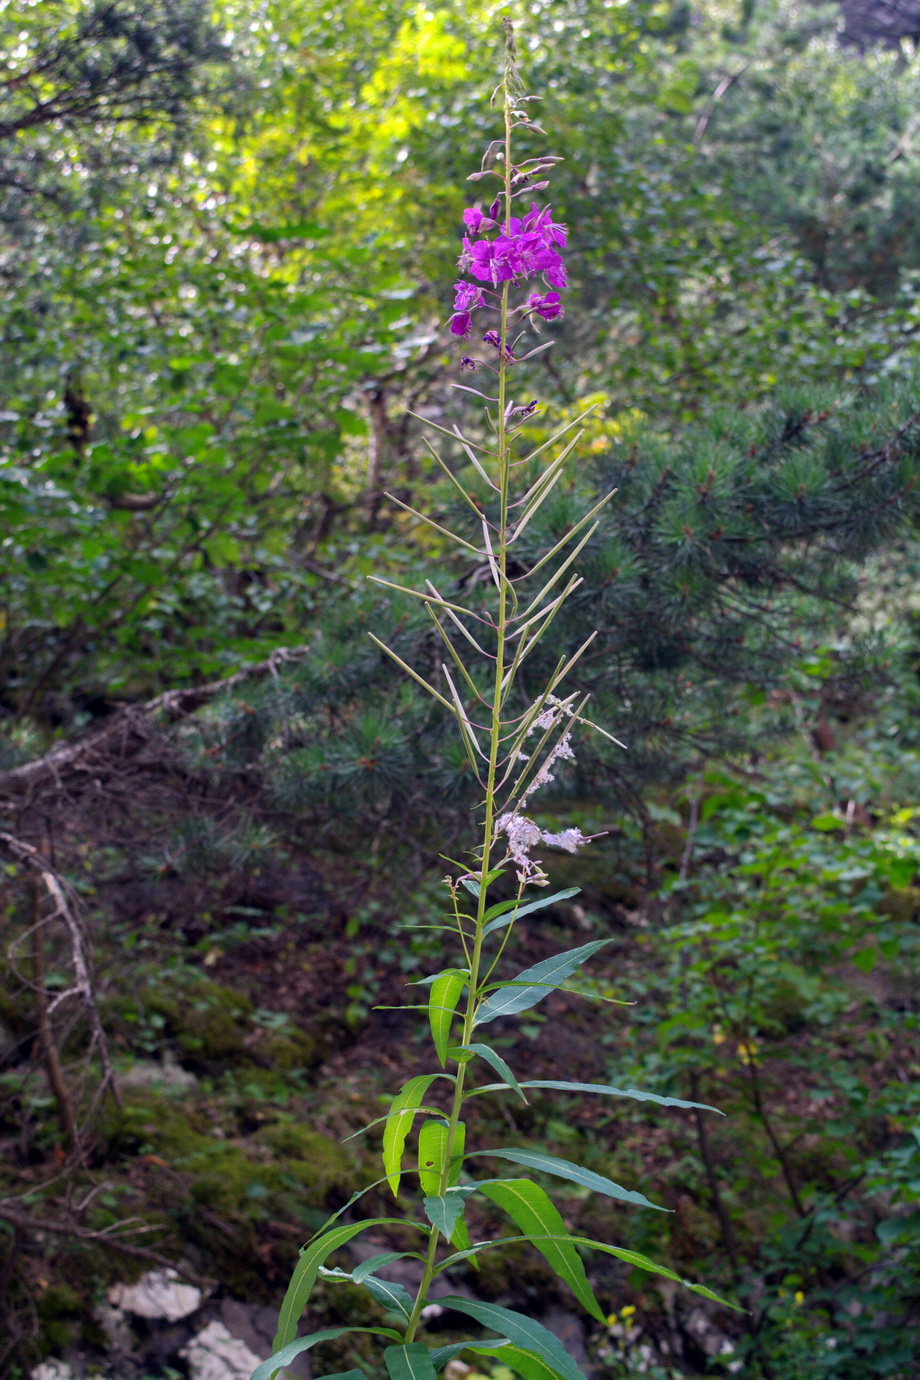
126, 732
30, 1226
66, 909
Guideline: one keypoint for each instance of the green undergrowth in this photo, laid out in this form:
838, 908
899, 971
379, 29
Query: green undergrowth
771, 973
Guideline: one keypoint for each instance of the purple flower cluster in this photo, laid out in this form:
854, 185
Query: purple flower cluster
522, 248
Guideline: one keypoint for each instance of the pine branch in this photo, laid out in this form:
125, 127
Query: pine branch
126, 733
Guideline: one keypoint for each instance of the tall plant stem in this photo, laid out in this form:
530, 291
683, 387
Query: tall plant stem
495, 737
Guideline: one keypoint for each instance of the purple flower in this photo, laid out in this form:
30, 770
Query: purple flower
467, 297
550, 264
493, 261
541, 221
460, 323
545, 304
468, 363
493, 338
476, 222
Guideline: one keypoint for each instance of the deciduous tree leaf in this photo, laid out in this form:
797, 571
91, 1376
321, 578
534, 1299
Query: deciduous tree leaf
530, 1208
545, 976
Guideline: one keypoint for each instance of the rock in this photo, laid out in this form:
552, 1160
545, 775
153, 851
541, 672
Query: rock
156, 1295
53, 1370
116, 1327
570, 1331
213, 1354
255, 1324
167, 1076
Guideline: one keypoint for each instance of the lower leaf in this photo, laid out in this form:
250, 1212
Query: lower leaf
279, 1359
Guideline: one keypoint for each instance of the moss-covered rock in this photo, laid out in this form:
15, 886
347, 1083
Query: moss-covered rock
59, 1311
207, 1021
901, 903
295, 1051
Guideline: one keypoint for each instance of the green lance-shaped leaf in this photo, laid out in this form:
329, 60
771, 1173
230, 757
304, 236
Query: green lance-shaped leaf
410, 1362
432, 1154
443, 1211
399, 1120
504, 912
462, 1240
522, 1331
392, 1296
348, 1375
498, 1064
641, 1262
560, 1086
376, 1262
527, 1364
283, 1356
456, 1154
446, 991
545, 977
442, 1354
530, 1208
564, 1169
306, 1270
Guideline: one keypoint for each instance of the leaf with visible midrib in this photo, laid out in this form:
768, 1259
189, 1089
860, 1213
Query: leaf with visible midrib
505, 912
306, 1270
527, 1364
278, 1359
607, 1089
535, 983
523, 1331
531, 1209
446, 991
409, 1362
497, 1063
564, 1169
400, 1118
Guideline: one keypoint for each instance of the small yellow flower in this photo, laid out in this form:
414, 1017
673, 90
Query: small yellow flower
628, 1311
799, 1298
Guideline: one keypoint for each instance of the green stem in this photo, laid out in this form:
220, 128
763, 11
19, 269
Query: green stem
495, 750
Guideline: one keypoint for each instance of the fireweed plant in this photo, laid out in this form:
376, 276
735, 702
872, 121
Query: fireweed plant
512, 254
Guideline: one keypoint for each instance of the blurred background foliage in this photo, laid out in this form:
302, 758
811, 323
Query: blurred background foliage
230, 233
